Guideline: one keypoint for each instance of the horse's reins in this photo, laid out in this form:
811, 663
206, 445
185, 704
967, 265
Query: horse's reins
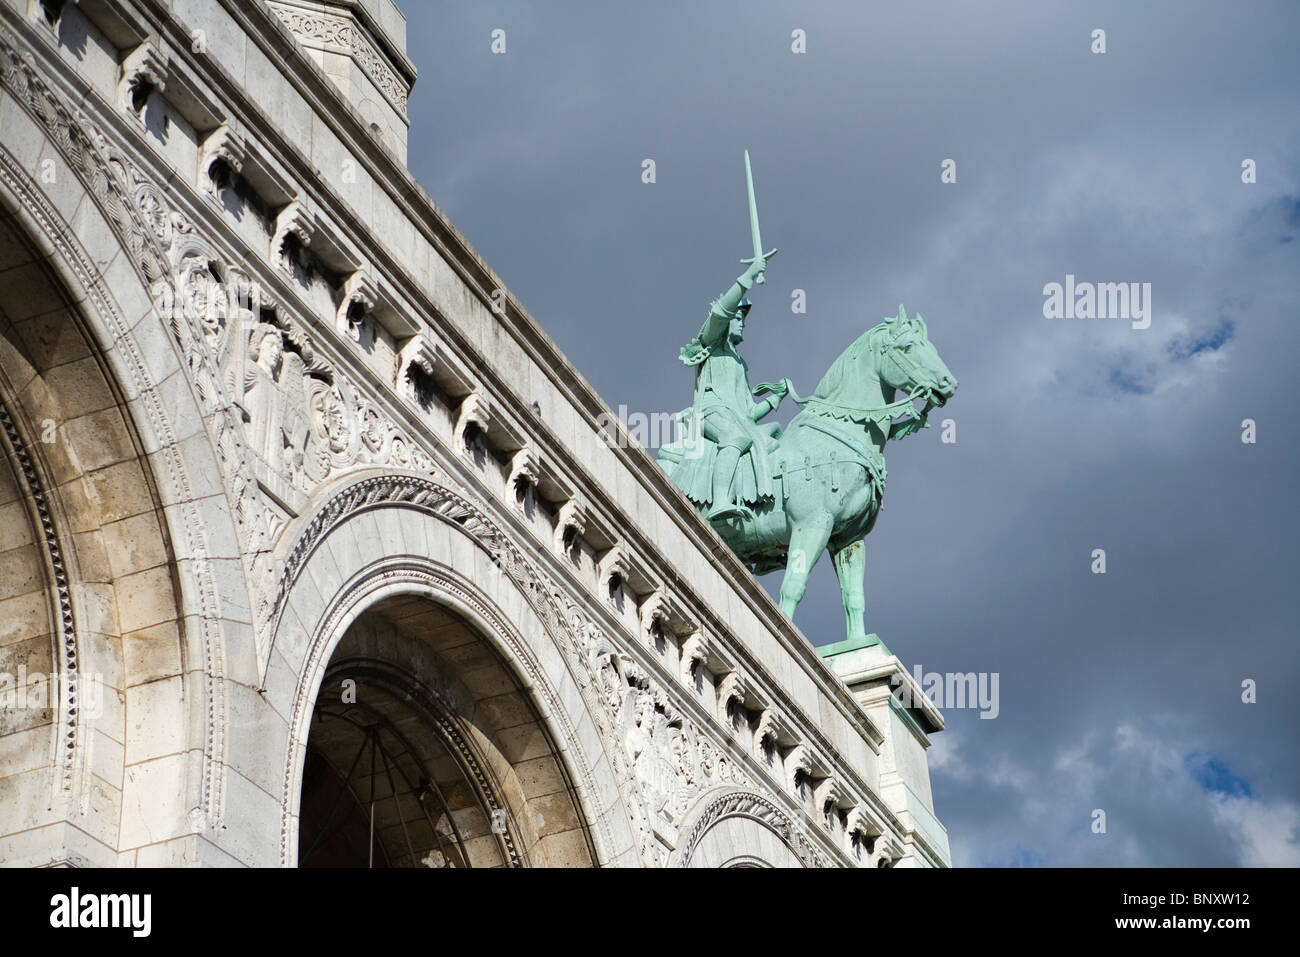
888, 411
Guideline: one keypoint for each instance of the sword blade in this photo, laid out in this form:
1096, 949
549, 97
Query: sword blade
753, 209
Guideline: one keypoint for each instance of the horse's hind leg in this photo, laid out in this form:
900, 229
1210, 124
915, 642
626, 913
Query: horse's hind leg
850, 566
806, 544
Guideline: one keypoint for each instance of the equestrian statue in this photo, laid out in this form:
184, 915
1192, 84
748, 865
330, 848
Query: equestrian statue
779, 497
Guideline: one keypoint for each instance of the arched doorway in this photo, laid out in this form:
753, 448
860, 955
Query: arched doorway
89, 618
426, 751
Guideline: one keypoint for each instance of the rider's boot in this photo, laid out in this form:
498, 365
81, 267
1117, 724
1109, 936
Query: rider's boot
723, 469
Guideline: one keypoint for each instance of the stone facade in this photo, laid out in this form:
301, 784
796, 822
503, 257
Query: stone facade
290, 475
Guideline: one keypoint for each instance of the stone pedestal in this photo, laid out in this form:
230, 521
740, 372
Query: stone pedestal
876, 677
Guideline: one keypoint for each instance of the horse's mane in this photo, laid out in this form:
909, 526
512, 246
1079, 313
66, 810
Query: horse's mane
844, 370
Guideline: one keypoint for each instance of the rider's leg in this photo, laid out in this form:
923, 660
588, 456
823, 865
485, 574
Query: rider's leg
732, 444
724, 468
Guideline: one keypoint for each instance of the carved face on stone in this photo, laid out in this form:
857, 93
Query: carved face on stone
645, 709
268, 350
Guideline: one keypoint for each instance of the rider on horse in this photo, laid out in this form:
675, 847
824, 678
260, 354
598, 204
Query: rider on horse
733, 471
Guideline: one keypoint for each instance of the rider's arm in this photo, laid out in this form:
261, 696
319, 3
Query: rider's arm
760, 409
718, 324
723, 310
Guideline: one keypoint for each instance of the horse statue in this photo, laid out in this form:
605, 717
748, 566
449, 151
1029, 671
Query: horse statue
827, 468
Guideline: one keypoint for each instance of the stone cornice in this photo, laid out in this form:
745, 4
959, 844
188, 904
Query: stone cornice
355, 33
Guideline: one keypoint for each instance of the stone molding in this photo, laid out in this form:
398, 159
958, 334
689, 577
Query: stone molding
340, 34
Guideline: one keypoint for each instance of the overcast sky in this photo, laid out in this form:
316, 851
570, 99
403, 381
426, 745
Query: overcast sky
1120, 692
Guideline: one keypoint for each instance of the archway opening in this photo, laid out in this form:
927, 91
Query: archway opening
426, 751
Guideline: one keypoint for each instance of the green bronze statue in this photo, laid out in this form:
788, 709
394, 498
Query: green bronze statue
778, 498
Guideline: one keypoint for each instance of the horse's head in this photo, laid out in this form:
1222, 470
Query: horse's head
909, 362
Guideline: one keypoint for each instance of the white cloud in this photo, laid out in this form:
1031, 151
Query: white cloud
1267, 833
1145, 781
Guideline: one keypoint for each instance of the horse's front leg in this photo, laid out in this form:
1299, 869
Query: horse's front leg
850, 567
807, 540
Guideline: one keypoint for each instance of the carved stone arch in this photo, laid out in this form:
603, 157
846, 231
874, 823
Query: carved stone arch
378, 537
732, 827
136, 353
95, 514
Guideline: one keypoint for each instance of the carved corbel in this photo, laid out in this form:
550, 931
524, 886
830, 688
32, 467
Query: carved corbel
798, 766
614, 565
695, 651
525, 473
48, 12
296, 221
222, 146
766, 732
473, 415
860, 831
732, 688
359, 298
142, 70
888, 853
572, 516
419, 355
828, 797
653, 609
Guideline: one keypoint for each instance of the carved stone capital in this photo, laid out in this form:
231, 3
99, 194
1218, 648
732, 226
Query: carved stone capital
888, 852
144, 67
860, 826
294, 220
